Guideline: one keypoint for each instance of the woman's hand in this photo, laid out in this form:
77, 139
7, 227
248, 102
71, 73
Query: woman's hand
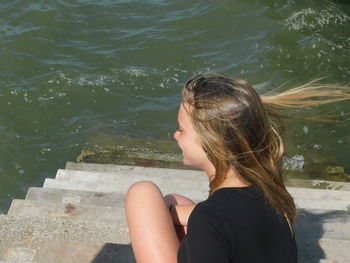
181, 208
181, 213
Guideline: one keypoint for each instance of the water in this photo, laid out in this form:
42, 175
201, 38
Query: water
71, 71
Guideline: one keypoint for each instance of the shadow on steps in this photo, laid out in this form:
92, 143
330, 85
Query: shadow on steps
311, 229
111, 253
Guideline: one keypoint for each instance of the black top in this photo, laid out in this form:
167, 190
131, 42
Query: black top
237, 225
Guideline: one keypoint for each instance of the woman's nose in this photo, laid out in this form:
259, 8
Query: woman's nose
176, 134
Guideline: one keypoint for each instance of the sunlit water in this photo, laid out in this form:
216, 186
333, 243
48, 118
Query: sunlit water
71, 71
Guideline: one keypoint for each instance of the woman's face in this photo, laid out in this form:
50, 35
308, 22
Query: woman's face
187, 139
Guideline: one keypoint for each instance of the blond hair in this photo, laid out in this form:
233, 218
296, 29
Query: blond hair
240, 129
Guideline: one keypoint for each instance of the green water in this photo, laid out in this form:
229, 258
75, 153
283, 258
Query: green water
73, 71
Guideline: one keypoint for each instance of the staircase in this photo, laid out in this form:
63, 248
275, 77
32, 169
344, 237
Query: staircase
79, 216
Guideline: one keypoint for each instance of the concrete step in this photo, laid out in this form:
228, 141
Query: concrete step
325, 214
322, 204
314, 250
36, 239
66, 196
318, 184
312, 224
194, 182
319, 194
190, 182
33, 239
316, 230
304, 197
324, 261
200, 181
105, 187
31, 227
319, 224
137, 170
102, 214
183, 174
58, 251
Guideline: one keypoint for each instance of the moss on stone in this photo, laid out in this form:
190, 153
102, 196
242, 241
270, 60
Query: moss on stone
158, 157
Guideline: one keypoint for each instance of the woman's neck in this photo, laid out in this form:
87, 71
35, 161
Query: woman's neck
236, 181
233, 179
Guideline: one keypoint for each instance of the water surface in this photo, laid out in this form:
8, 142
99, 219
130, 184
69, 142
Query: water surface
74, 71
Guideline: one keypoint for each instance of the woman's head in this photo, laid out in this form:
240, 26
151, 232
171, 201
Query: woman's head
232, 126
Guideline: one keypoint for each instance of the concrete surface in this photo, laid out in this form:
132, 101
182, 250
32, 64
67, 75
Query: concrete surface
66, 196
199, 181
29, 227
183, 174
43, 240
105, 214
168, 182
98, 186
79, 216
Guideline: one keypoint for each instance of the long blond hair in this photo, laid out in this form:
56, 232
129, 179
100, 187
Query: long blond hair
240, 129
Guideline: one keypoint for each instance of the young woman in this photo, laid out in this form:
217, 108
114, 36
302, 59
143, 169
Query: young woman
234, 135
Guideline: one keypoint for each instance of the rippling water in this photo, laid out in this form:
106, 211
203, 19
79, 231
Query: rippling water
75, 70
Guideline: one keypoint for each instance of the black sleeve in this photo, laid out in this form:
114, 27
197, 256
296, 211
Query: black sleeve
207, 237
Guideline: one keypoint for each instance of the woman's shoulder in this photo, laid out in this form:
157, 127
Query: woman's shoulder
209, 211
207, 216
225, 202
205, 210
209, 220
231, 203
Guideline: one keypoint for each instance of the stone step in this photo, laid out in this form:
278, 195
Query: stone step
317, 223
335, 231
37, 239
314, 250
31, 227
183, 174
66, 196
318, 229
197, 182
318, 184
103, 214
200, 181
136, 170
111, 199
329, 221
309, 223
118, 188
327, 215
33, 239
319, 194
58, 251
322, 204
304, 197
324, 261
